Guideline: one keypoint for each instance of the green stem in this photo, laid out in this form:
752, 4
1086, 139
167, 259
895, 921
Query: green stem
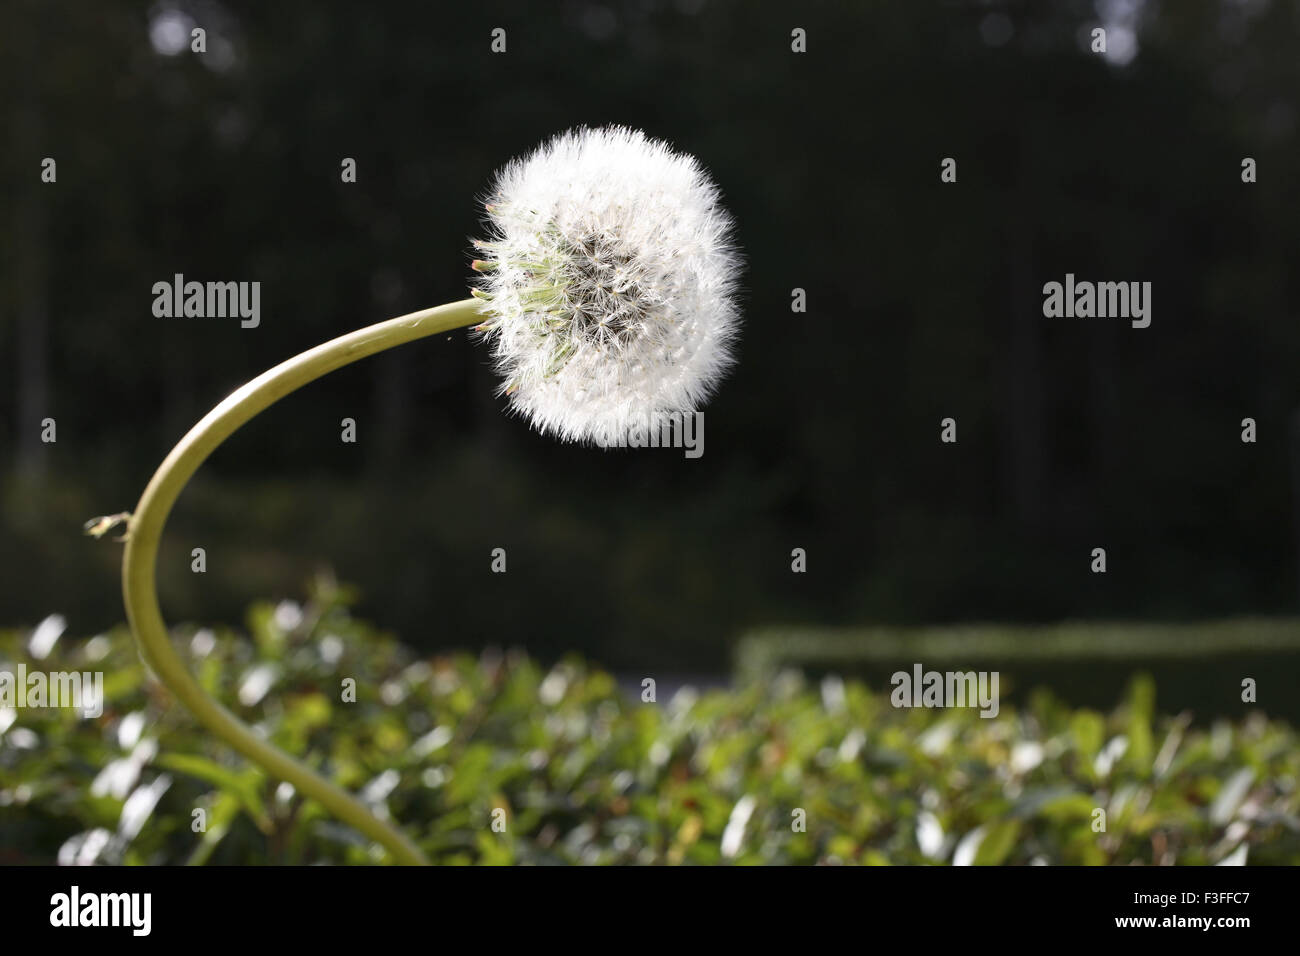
146, 525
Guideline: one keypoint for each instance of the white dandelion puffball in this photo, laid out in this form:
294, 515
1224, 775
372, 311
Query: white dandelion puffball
609, 280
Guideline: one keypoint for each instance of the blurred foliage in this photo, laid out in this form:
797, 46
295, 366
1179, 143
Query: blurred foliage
1084, 662
586, 772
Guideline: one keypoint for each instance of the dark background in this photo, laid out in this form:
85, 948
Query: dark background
924, 301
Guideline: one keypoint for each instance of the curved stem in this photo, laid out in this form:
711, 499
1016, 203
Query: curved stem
139, 590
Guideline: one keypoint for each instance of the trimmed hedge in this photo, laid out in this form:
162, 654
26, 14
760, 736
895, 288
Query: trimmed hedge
1198, 666
778, 770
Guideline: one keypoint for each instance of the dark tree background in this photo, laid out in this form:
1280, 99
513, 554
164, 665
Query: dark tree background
924, 301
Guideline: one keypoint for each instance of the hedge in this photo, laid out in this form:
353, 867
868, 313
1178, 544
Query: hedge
572, 769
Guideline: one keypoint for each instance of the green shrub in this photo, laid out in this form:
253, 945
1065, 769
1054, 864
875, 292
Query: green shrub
586, 772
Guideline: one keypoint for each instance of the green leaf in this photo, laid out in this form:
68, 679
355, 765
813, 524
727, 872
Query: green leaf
999, 840
244, 786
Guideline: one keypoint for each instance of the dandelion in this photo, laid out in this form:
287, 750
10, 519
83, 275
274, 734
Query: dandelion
606, 295
610, 278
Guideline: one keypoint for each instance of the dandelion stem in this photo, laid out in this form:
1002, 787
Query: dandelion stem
145, 527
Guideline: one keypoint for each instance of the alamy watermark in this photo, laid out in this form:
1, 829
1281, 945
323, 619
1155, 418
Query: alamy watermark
133, 911
80, 690
922, 688
209, 300
669, 430
1085, 300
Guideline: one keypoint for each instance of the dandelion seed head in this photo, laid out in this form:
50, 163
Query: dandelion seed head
609, 279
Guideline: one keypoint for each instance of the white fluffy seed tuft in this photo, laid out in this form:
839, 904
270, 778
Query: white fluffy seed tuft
609, 280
